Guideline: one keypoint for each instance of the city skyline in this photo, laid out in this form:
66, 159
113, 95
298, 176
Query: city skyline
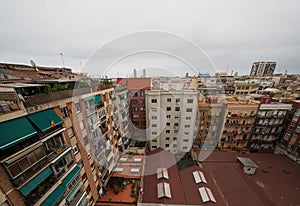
232, 34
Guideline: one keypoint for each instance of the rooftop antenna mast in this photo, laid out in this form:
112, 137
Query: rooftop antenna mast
62, 59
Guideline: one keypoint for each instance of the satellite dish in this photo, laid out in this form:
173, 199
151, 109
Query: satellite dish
33, 65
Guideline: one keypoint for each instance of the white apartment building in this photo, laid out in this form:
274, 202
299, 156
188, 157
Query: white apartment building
172, 116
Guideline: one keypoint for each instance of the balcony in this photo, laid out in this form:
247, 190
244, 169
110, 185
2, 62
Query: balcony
64, 169
76, 199
53, 152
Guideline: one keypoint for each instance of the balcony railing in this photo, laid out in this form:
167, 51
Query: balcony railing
53, 152
76, 198
64, 169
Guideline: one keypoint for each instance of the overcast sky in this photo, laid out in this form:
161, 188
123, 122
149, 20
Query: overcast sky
232, 34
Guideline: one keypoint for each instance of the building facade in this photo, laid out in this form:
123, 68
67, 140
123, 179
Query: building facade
290, 141
263, 68
172, 117
238, 122
268, 126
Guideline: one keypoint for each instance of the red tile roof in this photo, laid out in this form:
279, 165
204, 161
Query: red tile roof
190, 187
135, 84
158, 159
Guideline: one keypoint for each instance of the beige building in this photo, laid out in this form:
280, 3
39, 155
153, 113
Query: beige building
238, 122
246, 87
63, 151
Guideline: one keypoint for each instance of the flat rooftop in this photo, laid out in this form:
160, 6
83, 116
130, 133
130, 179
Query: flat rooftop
275, 182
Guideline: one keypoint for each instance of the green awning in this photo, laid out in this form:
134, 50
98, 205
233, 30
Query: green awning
38, 179
98, 99
72, 194
46, 119
55, 196
15, 131
71, 176
122, 95
89, 98
83, 202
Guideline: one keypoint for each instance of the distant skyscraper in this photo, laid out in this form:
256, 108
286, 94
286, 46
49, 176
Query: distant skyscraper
144, 72
262, 68
134, 73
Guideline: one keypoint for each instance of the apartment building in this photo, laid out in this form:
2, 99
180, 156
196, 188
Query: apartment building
207, 85
85, 147
268, 127
290, 142
137, 107
238, 122
211, 115
121, 112
172, 114
38, 166
263, 68
246, 87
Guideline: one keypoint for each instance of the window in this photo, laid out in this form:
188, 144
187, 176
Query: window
154, 125
176, 131
174, 145
186, 133
92, 166
168, 108
177, 108
177, 100
136, 109
154, 133
154, 117
185, 140
174, 138
168, 124
168, 99
188, 118
154, 140
167, 145
187, 126
184, 148
85, 140
168, 116
189, 109
154, 147
176, 117
64, 112
167, 138
81, 125
77, 107
70, 132
84, 178
175, 124
153, 100
142, 108
75, 149
142, 93
168, 131
189, 101
88, 189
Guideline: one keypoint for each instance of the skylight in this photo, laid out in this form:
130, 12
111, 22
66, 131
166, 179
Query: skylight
135, 170
162, 173
199, 177
206, 194
118, 169
123, 159
137, 159
163, 190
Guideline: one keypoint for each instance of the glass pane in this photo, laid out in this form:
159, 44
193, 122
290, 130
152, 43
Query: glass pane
14, 169
24, 164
